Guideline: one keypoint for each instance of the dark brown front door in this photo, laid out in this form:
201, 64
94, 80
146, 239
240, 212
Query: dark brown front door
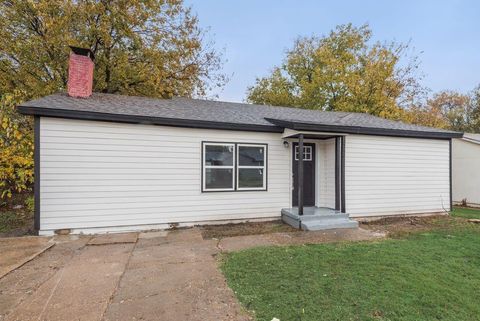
308, 174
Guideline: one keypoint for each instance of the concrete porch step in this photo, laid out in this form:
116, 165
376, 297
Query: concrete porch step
315, 219
332, 214
328, 224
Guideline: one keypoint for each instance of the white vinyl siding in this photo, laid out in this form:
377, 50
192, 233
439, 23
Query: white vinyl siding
466, 172
106, 176
102, 174
395, 175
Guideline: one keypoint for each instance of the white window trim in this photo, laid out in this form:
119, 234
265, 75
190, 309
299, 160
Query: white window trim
205, 167
309, 154
264, 168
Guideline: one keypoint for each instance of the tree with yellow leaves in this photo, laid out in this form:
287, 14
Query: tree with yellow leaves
343, 71
449, 109
147, 48
16, 149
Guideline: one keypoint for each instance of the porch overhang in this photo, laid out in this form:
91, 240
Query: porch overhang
340, 129
300, 136
291, 133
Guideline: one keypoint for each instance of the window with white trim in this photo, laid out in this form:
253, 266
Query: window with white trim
234, 167
218, 167
307, 153
251, 162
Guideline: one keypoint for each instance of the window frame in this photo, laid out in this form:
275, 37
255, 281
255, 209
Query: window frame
305, 148
264, 167
235, 167
205, 167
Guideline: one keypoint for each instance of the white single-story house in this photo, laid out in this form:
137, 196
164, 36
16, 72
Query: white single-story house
466, 170
107, 163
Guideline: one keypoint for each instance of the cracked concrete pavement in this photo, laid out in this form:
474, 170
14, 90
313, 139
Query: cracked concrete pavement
17, 251
187, 286
136, 276
170, 276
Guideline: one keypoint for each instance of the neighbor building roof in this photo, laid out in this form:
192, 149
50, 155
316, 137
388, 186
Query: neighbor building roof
473, 138
198, 113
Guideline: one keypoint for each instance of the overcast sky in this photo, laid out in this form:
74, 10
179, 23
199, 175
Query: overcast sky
254, 34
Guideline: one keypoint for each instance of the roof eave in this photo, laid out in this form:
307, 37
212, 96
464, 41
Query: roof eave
364, 130
276, 127
133, 119
471, 140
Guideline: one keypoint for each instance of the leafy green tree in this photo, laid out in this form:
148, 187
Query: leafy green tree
142, 47
343, 71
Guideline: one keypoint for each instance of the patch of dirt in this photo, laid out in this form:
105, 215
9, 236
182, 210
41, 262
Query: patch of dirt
401, 225
238, 243
239, 229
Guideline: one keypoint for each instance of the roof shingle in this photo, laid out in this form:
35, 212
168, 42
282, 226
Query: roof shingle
208, 111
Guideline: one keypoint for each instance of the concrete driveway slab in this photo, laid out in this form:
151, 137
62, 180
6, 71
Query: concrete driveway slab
81, 290
175, 280
117, 238
21, 284
162, 276
188, 291
16, 251
173, 253
152, 234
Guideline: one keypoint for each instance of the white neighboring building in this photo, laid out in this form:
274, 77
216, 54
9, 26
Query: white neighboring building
466, 170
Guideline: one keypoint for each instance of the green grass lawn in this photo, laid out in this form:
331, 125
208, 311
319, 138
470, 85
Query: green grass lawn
466, 212
426, 276
11, 220
15, 221
8, 219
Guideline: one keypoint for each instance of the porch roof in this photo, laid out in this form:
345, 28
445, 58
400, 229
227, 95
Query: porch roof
290, 133
340, 129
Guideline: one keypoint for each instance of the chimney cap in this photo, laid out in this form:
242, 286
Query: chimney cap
83, 52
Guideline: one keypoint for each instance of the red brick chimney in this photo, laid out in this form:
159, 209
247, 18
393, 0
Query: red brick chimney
80, 72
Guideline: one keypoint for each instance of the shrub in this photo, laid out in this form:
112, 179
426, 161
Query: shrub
16, 148
30, 204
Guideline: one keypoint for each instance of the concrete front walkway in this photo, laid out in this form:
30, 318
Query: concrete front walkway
147, 276
160, 276
237, 243
174, 278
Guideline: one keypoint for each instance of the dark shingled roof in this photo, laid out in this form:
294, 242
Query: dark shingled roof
219, 115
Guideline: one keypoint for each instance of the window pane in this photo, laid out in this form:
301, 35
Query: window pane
307, 153
250, 177
218, 178
251, 155
220, 155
